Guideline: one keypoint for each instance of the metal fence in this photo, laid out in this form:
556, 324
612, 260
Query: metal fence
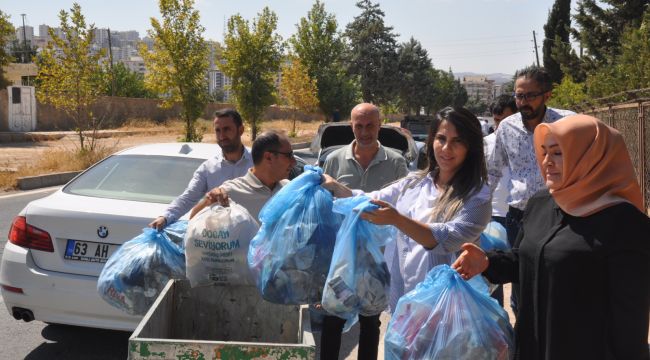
633, 121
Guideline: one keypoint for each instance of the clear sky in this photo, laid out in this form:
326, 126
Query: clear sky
482, 36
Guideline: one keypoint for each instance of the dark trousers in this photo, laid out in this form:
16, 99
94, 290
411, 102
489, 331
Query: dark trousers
330, 340
498, 291
513, 224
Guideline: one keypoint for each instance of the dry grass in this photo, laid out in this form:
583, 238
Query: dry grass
142, 123
29, 159
54, 161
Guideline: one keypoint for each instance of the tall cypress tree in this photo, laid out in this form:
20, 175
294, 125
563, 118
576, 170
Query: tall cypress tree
372, 56
415, 84
556, 32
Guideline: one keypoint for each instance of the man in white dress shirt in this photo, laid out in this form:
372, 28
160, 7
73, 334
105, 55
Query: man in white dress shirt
514, 150
233, 162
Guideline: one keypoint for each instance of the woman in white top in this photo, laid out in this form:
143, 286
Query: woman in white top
438, 209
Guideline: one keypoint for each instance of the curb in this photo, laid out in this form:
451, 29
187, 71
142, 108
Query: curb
40, 181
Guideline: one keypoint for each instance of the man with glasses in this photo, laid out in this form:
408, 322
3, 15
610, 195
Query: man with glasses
513, 148
233, 161
367, 165
272, 162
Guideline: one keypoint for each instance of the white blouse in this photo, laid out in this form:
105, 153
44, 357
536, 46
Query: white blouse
407, 260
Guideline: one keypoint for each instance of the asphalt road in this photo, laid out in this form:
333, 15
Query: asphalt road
37, 340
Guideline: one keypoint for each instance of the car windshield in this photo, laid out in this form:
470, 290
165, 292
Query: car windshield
146, 178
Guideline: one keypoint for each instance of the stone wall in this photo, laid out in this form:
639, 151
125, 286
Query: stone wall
114, 111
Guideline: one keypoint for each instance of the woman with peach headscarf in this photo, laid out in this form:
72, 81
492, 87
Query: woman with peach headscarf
582, 257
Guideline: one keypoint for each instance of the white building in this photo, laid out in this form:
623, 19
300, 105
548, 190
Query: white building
43, 31
135, 64
479, 87
27, 34
101, 37
218, 81
149, 42
130, 35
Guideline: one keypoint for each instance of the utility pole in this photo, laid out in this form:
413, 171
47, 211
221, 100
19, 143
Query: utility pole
24, 40
535, 42
110, 58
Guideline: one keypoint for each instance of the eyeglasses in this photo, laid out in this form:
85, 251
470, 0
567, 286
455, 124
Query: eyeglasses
288, 155
529, 96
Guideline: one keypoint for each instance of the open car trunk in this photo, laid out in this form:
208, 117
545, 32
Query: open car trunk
334, 135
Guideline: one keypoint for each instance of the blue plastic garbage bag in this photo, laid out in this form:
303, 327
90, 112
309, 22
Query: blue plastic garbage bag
137, 272
358, 279
290, 255
176, 231
446, 318
494, 237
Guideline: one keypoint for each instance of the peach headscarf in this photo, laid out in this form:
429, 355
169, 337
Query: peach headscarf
597, 171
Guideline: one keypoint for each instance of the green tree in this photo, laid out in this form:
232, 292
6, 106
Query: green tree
320, 48
568, 94
298, 90
476, 106
69, 75
178, 63
556, 33
218, 96
22, 51
415, 82
6, 31
253, 57
565, 56
127, 83
629, 70
600, 25
372, 56
448, 91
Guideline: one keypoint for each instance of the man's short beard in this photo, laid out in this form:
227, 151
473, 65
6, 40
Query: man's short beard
227, 149
532, 115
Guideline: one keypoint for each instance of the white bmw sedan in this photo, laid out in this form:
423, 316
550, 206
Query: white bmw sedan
58, 245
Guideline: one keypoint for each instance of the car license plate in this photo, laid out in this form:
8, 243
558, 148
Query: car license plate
88, 251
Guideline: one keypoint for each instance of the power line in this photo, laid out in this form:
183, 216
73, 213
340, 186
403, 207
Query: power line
483, 43
479, 39
483, 51
475, 55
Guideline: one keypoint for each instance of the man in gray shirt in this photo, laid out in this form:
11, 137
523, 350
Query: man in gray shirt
367, 165
272, 161
233, 161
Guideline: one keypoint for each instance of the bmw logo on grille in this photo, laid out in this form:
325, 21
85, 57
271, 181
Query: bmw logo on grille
102, 232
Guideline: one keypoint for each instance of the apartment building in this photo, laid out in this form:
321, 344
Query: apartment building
479, 87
